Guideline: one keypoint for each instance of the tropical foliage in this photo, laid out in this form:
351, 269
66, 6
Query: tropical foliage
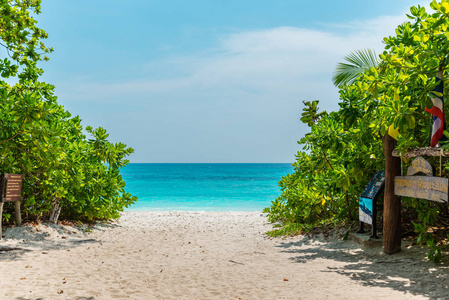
344, 148
357, 63
64, 170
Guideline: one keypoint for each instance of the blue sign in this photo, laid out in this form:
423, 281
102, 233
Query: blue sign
366, 199
375, 185
366, 210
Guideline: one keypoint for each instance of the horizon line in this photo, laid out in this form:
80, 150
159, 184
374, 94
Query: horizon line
210, 163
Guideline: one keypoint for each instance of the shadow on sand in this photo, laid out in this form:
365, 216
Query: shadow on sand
45, 237
408, 271
77, 298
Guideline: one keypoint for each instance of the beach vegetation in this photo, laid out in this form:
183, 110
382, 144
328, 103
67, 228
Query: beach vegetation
346, 147
70, 171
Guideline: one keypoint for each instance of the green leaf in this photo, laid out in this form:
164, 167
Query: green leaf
358, 62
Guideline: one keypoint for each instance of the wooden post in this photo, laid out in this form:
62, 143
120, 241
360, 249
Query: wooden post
2, 193
361, 227
392, 203
17, 211
1, 219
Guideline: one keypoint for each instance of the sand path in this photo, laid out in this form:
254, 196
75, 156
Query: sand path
197, 255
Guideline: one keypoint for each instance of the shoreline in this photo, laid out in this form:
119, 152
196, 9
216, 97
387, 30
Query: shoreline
191, 211
204, 255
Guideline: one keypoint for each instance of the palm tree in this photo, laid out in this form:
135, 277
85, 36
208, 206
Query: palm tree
357, 62
346, 73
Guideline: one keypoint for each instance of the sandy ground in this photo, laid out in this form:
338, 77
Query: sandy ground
198, 255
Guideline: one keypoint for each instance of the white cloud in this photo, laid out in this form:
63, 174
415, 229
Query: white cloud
249, 88
261, 59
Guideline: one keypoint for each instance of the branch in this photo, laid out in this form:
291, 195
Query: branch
17, 133
425, 151
7, 50
325, 157
7, 140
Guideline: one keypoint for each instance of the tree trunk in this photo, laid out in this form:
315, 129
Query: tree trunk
55, 210
392, 203
1, 219
17, 213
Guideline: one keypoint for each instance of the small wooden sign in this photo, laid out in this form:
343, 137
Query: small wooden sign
10, 190
422, 187
13, 187
420, 165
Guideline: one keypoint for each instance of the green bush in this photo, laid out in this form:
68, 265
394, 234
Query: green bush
40, 139
344, 148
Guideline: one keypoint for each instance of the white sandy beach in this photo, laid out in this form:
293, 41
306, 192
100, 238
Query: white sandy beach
204, 255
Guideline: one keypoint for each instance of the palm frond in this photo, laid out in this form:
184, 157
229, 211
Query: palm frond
358, 62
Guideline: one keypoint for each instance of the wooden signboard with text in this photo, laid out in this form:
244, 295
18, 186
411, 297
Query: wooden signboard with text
420, 165
423, 187
13, 190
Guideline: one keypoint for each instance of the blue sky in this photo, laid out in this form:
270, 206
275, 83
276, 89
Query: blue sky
206, 81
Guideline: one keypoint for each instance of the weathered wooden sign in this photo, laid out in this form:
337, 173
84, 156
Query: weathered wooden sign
420, 165
422, 187
10, 190
13, 187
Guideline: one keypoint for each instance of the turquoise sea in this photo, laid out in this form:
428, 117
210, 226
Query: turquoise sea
203, 187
